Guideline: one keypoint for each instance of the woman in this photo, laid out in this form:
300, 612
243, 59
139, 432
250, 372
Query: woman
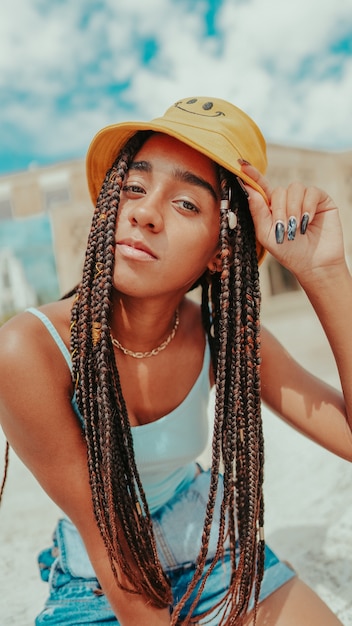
112, 431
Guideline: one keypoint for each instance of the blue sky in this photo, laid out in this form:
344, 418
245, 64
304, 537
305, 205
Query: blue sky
69, 67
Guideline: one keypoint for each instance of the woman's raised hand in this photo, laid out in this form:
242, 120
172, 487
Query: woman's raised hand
299, 226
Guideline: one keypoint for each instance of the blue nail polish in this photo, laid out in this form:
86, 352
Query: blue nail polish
291, 228
279, 232
304, 223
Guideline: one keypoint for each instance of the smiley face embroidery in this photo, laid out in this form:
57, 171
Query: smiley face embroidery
198, 107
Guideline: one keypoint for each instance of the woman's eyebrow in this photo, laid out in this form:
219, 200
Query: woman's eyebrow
142, 166
182, 175
193, 179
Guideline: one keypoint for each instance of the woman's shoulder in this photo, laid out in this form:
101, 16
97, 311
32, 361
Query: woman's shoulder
25, 324
25, 341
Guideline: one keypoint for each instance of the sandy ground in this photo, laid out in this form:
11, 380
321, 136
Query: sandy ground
308, 504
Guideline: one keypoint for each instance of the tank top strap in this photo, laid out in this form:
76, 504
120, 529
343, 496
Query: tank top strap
53, 332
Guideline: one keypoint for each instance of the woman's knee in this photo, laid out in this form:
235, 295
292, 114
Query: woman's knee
293, 603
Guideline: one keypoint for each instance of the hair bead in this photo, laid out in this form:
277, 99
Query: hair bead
232, 220
96, 332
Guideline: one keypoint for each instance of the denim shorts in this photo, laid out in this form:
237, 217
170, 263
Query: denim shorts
75, 597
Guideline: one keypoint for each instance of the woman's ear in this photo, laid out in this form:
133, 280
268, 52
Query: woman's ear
215, 264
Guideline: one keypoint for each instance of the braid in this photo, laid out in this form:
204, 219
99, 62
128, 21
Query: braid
230, 314
249, 439
119, 501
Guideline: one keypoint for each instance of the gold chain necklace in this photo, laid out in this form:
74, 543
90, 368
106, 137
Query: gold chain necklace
155, 351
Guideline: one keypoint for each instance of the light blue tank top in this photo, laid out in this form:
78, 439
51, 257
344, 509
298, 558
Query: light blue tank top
165, 450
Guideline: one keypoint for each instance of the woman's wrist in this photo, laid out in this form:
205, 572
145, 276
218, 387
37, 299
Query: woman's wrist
323, 280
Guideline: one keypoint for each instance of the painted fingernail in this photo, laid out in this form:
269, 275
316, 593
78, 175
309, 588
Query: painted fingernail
291, 228
243, 162
241, 184
304, 223
279, 231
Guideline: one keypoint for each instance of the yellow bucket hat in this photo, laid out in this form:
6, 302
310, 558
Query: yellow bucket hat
212, 126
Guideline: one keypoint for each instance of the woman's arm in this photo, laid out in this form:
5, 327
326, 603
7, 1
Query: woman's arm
307, 403
37, 418
330, 293
317, 259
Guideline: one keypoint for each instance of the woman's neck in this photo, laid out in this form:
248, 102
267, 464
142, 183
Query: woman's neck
143, 326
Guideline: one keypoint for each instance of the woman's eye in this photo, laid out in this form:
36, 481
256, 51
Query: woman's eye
188, 206
133, 189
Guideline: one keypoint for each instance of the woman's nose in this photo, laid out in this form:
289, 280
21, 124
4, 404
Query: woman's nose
146, 213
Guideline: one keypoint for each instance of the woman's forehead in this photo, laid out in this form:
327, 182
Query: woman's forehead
171, 152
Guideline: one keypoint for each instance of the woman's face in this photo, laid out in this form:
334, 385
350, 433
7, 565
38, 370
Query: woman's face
168, 226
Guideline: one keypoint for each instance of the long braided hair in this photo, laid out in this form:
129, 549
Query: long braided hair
230, 314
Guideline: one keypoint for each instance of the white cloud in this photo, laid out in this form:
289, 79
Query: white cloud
60, 67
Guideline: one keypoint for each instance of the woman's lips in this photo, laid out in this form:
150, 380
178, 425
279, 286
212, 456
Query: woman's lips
135, 250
